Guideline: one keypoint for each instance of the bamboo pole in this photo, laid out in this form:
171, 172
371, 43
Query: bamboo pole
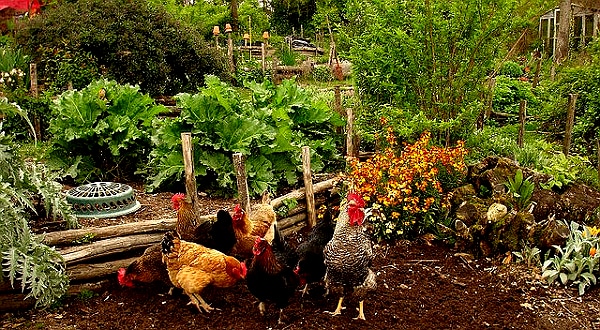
242, 183
522, 115
570, 122
188, 163
308, 184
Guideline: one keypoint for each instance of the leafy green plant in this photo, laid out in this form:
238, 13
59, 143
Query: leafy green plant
511, 69
102, 131
520, 189
577, 262
322, 73
563, 170
286, 206
266, 123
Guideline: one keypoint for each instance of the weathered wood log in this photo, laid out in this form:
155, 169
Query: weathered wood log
299, 194
295, 228
191, 188
67, 237
290, 221
80, 272
109, 246
301, 207
308, 186
15, 301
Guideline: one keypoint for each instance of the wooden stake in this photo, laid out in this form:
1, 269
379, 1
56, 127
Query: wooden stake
570, 122
230, 53
308, 184
263, 57
598, 153
34, 80
191, 189
242, 183
522, 115
350, 152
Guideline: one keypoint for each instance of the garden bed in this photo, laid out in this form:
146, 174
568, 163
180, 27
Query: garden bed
421, 285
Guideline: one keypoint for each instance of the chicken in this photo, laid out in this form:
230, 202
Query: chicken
146, 269
349, 255
260, 222
311, 265
271, 276
192, 267
217, 234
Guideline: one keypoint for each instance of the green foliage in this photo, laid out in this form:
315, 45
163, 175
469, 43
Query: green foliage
268, 124
102, 131
126, 41
511, 69
520, 189
508, 94
577, 262
289, 16
563, 170
26, 262
322, 73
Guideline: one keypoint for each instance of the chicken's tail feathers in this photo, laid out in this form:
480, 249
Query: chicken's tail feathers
277, 238
168, 242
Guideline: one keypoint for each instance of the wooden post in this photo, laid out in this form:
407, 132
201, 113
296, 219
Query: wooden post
230, 53
491, 84
34, 80
242, 183
522, 115
350, 152
570, 121
188, 163
338, 100
538, 68
37, 125
263, 57
308, 185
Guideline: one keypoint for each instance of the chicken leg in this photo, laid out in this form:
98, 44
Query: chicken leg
361, 314
197, 301
339, 308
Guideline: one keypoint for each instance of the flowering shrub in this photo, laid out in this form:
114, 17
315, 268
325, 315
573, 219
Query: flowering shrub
11, 80
407, 186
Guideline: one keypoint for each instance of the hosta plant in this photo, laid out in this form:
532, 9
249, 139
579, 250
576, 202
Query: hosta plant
405, 183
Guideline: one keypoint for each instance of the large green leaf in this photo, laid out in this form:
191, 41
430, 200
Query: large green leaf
238, 133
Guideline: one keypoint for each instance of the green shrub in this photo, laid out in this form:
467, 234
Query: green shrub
132, 43
511, 69
322, 73
102, 131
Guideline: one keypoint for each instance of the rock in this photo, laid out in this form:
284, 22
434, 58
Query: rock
496, 212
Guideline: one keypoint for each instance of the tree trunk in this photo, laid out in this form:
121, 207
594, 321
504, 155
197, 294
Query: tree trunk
562, 38
234, 15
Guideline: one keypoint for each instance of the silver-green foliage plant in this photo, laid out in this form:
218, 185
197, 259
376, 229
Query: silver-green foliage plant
26, 261
576, 262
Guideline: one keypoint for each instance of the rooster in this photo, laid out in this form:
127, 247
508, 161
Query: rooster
349, 255
192, 267
217, 235
271, 276
311, 265
260, 222
146, 269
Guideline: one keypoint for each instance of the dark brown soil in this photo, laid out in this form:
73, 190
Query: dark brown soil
421, 285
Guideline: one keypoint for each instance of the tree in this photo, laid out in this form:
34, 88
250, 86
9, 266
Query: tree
564, 24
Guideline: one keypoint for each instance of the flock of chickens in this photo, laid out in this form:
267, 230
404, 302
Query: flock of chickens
249, 247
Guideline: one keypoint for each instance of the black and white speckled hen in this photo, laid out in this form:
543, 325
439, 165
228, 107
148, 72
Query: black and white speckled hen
270, 276
349, 255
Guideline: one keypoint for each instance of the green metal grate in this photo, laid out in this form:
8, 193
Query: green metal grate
102, 200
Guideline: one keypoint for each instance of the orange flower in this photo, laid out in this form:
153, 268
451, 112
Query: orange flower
592, 251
